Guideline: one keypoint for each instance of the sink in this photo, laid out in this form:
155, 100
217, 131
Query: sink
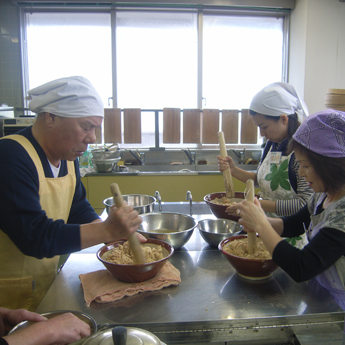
183, 168
184, 207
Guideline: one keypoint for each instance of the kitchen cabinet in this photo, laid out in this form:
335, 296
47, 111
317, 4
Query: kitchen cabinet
172, 187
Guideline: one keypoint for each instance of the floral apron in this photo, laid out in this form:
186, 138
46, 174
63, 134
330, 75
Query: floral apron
273, 180
24, 280
330, 278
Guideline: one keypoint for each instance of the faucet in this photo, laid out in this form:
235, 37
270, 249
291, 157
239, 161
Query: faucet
140, 157
158, 198
190, 155
190, 198
240, 155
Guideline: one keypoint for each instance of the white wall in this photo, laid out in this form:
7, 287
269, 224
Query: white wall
317, 49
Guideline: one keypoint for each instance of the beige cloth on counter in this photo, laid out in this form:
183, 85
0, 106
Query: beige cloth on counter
102, 287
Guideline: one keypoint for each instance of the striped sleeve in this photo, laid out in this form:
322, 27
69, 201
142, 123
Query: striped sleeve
291, 206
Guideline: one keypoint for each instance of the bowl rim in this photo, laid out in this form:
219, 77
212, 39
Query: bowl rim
125, 195
106, 149
149, 240
219, 233
223, 193
106, 160
176, 213
236, 237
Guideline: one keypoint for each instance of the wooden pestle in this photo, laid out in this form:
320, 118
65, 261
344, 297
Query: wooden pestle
229, 186
132, 239
251, 235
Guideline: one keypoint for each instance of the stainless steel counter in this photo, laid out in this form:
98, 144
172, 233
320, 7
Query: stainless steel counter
212, 304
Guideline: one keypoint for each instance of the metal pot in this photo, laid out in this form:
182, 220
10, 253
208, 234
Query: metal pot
106, 153
105, 165
140, 202
174, 228
121, 336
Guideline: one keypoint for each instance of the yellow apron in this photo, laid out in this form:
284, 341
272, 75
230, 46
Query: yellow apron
24, 280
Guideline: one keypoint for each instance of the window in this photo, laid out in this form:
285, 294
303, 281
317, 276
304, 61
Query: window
172, 58
156, 59
241, 55
66, 44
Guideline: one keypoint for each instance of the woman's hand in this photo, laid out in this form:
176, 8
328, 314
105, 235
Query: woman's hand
252, 216
254, 219
225, 163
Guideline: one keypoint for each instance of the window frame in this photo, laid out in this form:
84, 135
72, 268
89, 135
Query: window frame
201, 10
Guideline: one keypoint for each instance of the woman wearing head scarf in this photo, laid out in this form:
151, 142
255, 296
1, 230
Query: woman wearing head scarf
319, 146
43, 208
278, 111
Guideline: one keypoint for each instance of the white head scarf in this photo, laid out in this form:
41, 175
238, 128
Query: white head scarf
67, 97
277, 99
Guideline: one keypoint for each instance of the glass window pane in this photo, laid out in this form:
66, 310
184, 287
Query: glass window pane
156, 59
240, 56
67, 44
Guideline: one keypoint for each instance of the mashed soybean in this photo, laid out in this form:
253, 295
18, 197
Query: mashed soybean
239, 248
123, 254
223, 201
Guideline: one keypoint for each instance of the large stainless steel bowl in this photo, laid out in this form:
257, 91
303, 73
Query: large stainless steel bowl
174, 228
214, 231
140, 202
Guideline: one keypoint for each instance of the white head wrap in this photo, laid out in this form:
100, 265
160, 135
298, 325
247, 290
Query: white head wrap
66, 97
277, 99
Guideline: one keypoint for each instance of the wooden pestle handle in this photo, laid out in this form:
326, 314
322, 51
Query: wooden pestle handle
229, 186
132, 239
251, 235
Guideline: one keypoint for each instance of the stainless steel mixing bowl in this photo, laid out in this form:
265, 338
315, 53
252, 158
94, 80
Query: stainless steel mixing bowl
173, 228
214, 231
104, 153
105, 165
140, 202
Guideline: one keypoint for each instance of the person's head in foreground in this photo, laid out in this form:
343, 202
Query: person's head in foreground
278, 111
69, 110
319, 146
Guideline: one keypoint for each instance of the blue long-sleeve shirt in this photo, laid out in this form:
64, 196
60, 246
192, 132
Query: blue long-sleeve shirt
21, 216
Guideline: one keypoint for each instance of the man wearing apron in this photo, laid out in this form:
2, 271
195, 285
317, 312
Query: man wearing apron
319, 146
43, 208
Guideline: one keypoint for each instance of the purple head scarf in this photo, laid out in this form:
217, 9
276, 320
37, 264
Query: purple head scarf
323, 133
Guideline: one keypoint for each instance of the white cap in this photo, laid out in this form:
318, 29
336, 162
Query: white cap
67, 97
277, 99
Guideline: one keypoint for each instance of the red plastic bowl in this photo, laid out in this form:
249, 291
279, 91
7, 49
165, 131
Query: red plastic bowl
135, 273
219, 210
248, 268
